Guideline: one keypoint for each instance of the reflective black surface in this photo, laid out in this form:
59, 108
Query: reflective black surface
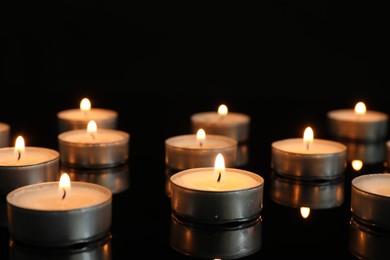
142, 221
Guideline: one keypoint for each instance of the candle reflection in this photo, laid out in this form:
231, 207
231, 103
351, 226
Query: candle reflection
97, 250
115, 178
215, 241
307, 194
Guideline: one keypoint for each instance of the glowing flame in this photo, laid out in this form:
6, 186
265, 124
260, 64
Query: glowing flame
92, 127
201, 136
64, 185
305, 212
360, 108
19, 147
85, 104
222, 110
357, 165
219, 168
308, 136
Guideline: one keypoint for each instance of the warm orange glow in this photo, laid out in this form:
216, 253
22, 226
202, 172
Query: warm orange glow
305, 212
85, 104
201, 136
92, 127
308, 136
357, 165
360, 108
64, 185
222, 110
219, 167
19, 147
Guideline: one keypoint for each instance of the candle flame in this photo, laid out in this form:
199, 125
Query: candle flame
308, 136
305, 212
64, 185
201, 136
85, 104
219, 167
19, 147
92, 128
357, 165
360, 108
222, 110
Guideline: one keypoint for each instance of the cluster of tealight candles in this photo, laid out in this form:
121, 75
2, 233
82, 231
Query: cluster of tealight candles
208, 190
43, 198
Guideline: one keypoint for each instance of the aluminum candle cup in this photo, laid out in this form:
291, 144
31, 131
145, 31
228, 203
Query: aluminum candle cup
40, 215
36, 165
185, 151
196, 195
315, 195
324, 159
114, 178
73, 119
96, 250
367, 243
370, 199
104, 148
369, 127
216, 241
5, 132
233, 124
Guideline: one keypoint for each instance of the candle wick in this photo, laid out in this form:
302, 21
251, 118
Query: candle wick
93, 136
219, 176
19, 155
64, 195
307, 146
200, 144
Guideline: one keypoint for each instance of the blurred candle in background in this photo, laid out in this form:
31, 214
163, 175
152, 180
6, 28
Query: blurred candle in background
78, 118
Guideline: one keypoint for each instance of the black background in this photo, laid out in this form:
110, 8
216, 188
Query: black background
285, 64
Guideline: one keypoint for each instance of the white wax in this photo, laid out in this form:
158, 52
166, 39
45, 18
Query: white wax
31, 156
96, 114
204, 179
318, 146
351, 115
191, 142
101, 136
374, 183
47, 196
232, 118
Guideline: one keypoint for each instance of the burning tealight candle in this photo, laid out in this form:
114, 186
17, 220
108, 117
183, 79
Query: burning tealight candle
358, 123
223, 122
199, 150
59, 213
370, 199
93, 147
5, 132
217, 194
21, 165
78, 118
309, 158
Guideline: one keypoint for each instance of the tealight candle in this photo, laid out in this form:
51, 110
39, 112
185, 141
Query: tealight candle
21, 165
358, 123
370, 199
78, 118
223, 122
92, 147
217, 194
199, 150
59, 213
309, 158
5, 132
